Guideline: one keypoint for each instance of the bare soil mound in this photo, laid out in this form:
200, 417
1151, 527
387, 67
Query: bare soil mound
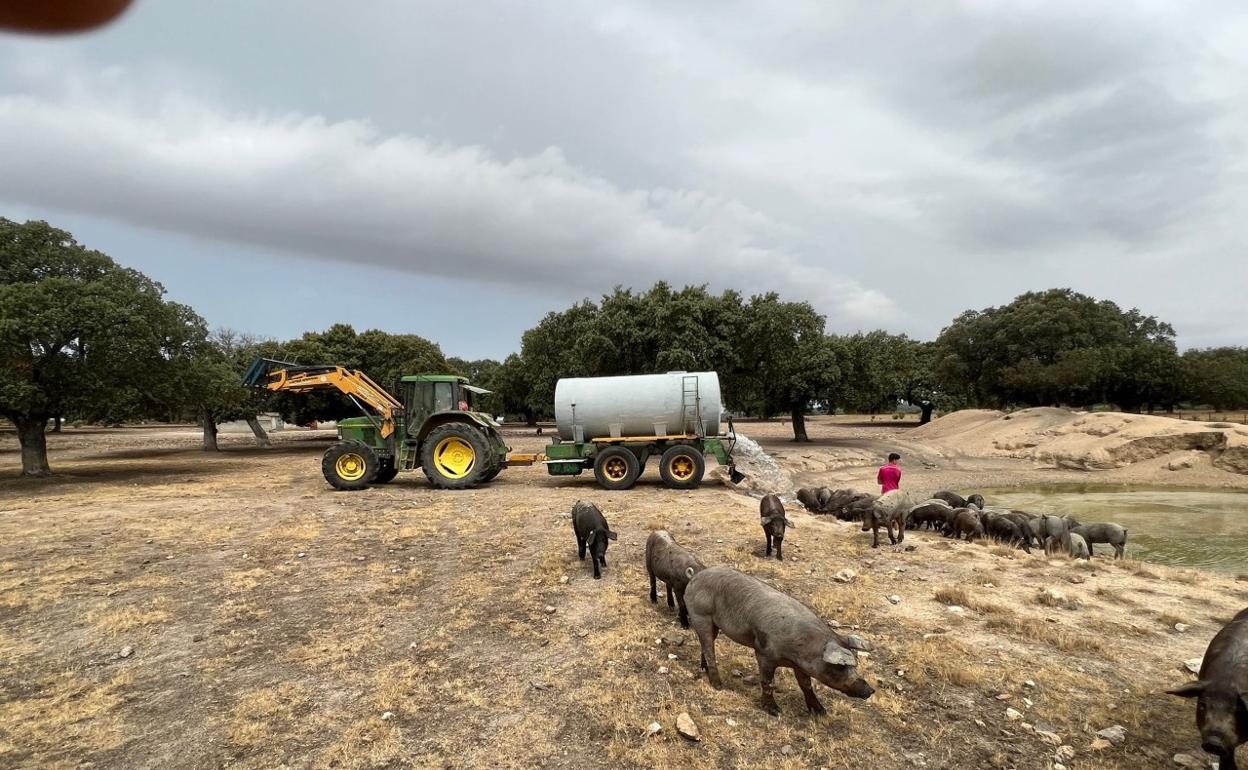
1088, 441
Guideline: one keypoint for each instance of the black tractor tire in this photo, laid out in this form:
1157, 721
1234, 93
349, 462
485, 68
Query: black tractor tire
682, 467
495, 468
350, 465
468, 461
616, 468
386, 471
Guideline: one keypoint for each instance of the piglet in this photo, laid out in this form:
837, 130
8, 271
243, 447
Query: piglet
1222, 690
782, 631
771, 516
592, 534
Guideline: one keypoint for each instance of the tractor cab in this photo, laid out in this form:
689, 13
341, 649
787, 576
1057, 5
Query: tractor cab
424, 395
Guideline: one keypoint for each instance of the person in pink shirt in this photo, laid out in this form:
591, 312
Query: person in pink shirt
889, 477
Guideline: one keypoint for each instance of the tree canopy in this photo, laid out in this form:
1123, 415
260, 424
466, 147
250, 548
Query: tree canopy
78, 334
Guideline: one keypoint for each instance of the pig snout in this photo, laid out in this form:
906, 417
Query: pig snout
860, 689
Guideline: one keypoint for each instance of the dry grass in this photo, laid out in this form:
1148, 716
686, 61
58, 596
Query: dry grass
118, 620
1169, 619
1052, 634
64, 713
1048, 597
1112, 595
962, 597
940, 659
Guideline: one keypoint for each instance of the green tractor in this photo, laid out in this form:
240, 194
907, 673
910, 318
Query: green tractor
432, 425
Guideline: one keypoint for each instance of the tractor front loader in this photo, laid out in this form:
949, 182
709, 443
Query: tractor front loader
432, 425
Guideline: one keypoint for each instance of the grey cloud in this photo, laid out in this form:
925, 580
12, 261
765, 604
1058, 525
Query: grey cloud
896, 163
342, 190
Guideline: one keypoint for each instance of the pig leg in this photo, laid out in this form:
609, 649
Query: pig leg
654, 589
767, 681
888, 525
707, 632
597, 573
1119, 548
580, 547
670, 603
684, 611
768, 543
901, 530
779, 545
812, 703
875, 537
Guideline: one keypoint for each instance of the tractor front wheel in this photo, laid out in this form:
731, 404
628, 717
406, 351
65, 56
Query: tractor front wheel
455, 456
616, 468
349, 465
682, 467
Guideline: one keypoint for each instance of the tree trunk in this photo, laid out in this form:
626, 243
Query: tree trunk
926, 415
210, 434
530, 419
31, 435
262, 438
798, 413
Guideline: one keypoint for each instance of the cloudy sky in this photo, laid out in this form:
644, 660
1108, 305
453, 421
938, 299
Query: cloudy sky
456, 170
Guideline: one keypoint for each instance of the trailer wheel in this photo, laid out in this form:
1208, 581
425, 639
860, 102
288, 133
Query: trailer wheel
349, 465
386, 471
682, 467
616, 468
455, 456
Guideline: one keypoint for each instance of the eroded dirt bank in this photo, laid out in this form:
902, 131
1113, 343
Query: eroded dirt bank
160, 607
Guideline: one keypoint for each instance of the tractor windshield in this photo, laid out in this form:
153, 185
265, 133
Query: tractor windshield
443, 397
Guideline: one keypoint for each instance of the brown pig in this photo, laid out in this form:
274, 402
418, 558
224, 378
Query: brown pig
771, 515
674, 565
782, 631
1222, 692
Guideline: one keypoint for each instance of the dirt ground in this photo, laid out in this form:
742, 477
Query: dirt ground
162, 607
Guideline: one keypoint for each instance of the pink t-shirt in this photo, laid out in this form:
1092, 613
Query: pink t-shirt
889, 478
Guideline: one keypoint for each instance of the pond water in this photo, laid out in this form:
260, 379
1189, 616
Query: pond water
1205, 528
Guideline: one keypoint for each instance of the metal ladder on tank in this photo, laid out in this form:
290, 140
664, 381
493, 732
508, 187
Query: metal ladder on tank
691, 400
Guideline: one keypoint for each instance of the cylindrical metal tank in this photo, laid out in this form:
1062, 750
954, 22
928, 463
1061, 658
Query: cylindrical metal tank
638, 405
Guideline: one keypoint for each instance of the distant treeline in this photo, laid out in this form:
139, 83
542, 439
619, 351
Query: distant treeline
83, 338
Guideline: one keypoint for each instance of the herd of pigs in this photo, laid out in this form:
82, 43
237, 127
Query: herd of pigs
954, 516
786, 633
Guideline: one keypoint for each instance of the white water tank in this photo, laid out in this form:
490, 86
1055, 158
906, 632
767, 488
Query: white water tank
642, 405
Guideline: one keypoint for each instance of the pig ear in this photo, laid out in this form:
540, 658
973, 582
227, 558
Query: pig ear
610, 535
1189, 689
837, 655
789, 524
856, 642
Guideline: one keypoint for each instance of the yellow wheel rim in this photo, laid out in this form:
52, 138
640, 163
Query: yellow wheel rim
454, 458
681, 467
615, 469
350, 466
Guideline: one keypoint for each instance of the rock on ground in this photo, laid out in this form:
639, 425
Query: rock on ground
687, 727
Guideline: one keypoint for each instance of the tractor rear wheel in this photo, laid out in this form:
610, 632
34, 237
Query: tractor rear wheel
455, 456
616, 468
386, 471
349, 465
682, 467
